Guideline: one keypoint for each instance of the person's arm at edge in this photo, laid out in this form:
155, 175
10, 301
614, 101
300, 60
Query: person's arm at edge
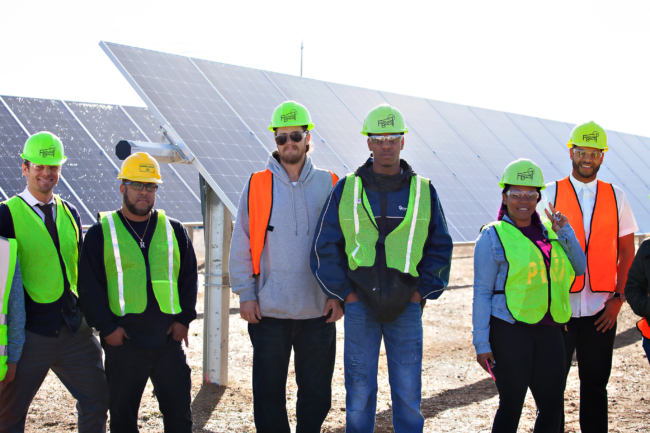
328, 260
625, 258
435, 266
486, 269
16, 318
187, 276
240, 266
92, 285
636, 287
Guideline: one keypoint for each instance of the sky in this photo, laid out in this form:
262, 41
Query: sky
567, 60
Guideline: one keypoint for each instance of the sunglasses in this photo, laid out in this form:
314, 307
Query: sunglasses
295, 136
380, 139
137, 186
581, 154
520, 195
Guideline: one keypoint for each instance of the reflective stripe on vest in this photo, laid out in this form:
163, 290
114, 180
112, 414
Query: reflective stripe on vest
38, 257
404, 246
643, 326
527, 287
126, 274
603, 236
260, 206
8, 256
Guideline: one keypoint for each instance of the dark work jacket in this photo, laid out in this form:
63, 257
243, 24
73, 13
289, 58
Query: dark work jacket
637, 287
148, 329
47, 319
385, 291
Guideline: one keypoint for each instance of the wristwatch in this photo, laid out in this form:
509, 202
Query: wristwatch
620, 297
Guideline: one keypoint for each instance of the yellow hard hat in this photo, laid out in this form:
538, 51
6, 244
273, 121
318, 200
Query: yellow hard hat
140, 167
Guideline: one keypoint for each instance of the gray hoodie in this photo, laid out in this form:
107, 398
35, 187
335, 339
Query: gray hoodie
285, 287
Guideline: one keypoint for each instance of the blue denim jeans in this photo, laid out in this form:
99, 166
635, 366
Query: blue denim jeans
403, 341
646, 347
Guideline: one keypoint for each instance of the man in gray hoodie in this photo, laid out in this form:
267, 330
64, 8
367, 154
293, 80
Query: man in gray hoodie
270, 271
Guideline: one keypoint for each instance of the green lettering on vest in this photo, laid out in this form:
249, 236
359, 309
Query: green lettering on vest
404, 245
126, 272
527, 287
37, 255
10, 251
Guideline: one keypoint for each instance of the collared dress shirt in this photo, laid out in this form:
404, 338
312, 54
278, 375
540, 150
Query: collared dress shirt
587, 303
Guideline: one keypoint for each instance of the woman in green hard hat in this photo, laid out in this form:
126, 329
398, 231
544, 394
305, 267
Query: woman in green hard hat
523, 270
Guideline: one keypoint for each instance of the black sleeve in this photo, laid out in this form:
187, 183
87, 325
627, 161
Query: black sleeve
636, 287
187, 275
6, 223
92, 285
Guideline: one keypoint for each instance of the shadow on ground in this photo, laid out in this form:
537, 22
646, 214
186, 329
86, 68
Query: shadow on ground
627, 337
204, 404
432, 406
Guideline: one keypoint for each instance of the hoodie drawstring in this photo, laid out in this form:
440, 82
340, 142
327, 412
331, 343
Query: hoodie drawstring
304, 202
293, 206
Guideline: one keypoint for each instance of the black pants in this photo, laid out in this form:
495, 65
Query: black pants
314, 344
528, 357
127, 369
594, 350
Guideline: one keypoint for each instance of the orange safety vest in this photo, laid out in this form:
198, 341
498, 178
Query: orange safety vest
260, 205
644, 327
602, 264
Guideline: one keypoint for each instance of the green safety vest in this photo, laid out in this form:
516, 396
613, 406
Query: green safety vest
126, 273
404, 245
527, 285
8, 255
37, 255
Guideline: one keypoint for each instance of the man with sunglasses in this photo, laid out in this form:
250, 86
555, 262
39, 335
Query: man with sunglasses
269, 270
604, 224
138, 288
48, 234
383, 246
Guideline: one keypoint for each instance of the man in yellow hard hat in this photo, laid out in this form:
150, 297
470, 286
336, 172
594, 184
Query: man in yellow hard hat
138, 288
604, 224
48, 233
383, 246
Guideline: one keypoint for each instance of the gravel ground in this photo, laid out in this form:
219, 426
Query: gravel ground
457, 394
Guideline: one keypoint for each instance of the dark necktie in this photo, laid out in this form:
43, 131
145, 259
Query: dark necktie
49, 222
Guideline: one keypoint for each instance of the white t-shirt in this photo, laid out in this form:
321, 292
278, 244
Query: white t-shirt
32, 201
587, 303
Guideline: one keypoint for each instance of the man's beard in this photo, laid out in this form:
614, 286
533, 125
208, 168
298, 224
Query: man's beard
582, 173
134, 210
292, 159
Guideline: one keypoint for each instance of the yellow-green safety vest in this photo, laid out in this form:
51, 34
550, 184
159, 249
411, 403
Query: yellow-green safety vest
8, 256
527, 285
404, 245
126, 273
37, 255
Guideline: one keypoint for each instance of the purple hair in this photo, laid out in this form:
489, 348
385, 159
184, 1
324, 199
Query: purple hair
503, 211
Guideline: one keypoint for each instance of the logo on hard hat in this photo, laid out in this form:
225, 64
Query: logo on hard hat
291, 115
147, 168
47, 152
593, 136
390, 120
528, 174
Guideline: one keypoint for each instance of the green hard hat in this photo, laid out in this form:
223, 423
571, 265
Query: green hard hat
382, 119
290, 113
589, 134
522, 172
44, 148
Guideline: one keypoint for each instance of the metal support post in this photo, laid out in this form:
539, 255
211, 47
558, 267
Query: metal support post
217, 232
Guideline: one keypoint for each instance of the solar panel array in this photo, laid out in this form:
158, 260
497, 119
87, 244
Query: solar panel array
89, 133
221, 113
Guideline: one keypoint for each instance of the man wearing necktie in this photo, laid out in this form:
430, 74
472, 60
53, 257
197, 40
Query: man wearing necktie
604, 224
49, 236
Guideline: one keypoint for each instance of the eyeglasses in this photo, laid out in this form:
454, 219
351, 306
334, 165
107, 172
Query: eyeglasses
52, 168
583, 153
137, 186
380, 139
295, 136
520, 195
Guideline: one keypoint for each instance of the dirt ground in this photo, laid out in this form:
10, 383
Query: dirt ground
457, 395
